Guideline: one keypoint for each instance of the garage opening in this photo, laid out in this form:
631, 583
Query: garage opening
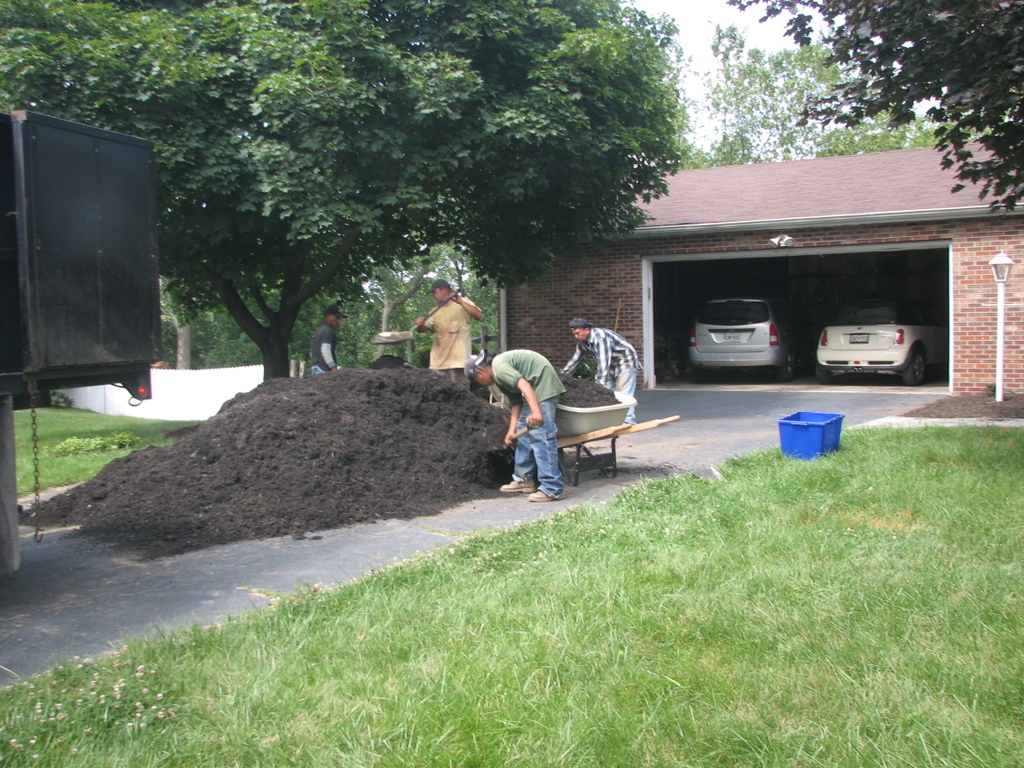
815, 284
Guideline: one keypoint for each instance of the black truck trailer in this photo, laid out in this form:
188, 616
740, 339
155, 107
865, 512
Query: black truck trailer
79, 273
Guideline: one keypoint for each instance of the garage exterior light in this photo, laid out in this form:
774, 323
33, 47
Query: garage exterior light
1001, 265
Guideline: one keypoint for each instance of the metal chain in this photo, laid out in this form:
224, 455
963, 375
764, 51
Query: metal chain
35, 469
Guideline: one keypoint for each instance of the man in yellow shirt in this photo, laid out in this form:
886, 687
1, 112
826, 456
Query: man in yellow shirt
450, 322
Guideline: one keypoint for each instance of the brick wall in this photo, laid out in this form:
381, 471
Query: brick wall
605, 287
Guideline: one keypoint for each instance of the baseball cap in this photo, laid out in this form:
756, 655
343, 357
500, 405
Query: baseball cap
480, 360
440, 284
579, 322
333, 309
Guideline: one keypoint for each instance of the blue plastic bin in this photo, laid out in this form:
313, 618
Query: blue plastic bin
807, 435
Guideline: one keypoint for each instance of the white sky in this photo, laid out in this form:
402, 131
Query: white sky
696, 20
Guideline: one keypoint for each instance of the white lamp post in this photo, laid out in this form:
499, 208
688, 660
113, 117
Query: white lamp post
1001, 266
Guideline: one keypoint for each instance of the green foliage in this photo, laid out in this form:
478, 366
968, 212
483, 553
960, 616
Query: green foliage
112, 442
956, 62
302, 145
60, 399
217, 341
757, 104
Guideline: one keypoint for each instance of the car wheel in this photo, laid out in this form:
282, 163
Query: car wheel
914, 374
822, 374
784, 373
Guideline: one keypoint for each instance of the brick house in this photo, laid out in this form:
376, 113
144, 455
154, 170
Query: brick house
883, 225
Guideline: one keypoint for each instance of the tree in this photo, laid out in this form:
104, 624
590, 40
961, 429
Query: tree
958, 61
302, 144
757, 101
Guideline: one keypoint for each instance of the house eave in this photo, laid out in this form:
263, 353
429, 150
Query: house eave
810, 222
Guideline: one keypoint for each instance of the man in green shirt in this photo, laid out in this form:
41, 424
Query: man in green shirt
532, 387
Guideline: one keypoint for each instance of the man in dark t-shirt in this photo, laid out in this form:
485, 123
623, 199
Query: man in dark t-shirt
325, 341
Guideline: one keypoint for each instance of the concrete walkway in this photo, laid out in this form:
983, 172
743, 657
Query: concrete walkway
71, 598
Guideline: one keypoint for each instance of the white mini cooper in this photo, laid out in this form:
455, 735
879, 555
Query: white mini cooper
896, 337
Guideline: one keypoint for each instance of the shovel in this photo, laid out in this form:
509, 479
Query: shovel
397, 337
524, 430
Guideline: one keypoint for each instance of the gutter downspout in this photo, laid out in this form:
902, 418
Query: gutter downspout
502, 320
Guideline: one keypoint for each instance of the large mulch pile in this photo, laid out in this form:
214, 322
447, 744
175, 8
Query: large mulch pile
972, 407
295, 456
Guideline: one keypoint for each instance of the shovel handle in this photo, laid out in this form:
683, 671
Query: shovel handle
524, 430
435, 309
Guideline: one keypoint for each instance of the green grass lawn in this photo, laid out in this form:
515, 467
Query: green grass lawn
55, 425
865, 609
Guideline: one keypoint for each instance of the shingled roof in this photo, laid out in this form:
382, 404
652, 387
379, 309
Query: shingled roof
905, 185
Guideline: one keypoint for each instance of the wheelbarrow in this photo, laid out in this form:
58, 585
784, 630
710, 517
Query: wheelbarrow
574, 455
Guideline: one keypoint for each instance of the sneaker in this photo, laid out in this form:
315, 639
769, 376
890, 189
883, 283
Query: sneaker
516, 487
541, 496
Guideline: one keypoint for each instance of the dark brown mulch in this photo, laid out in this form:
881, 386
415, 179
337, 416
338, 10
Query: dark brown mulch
585, 393
972, 407
294, 456
386, 362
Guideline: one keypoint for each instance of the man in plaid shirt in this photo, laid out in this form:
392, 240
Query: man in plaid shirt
617, 360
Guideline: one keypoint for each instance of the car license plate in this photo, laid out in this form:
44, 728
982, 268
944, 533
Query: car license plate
732, 337
858, 338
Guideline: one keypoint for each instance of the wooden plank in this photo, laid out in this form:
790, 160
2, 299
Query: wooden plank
586, 437
650, 424
609, 432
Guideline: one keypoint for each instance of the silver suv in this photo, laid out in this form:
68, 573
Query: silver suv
743, 333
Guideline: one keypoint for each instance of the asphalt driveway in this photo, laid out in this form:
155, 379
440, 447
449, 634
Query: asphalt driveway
72, 599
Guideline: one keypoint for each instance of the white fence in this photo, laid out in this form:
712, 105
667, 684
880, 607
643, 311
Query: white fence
178, 395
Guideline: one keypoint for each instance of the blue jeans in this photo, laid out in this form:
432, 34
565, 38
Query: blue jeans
625, 382
537, 450
317, 369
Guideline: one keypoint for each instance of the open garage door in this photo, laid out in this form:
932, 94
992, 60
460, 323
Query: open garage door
814, 283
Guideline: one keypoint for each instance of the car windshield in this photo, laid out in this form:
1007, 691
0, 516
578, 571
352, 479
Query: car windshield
733, 313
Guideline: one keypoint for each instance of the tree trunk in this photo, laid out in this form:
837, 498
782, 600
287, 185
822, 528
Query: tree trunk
271, 339
275, 354
183, 355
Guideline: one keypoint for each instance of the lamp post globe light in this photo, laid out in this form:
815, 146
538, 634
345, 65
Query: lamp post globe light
1001, 265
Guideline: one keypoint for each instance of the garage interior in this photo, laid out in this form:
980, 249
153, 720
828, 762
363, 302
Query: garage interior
814, 283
